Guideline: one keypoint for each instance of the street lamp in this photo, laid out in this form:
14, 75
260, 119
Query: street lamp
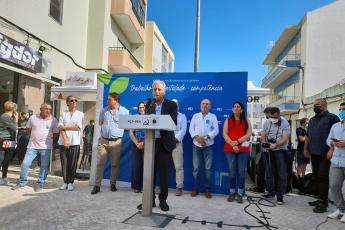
197, 33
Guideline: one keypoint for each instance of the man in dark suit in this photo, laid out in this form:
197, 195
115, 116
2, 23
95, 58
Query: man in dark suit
164, 140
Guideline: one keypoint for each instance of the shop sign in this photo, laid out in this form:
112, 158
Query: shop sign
253, 99
20, 54
81, 79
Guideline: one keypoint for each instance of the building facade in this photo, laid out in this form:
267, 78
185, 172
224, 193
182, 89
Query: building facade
72, 36
307, 62
158, 55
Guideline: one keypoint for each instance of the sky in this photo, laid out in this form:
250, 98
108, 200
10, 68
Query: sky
235, 35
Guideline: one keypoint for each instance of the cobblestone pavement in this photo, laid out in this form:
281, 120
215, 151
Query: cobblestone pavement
54, 209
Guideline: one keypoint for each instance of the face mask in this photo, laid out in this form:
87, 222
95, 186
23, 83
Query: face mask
342, 115
317, 109
273, 120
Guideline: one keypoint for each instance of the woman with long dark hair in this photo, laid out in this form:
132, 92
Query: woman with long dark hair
137, 137
236, 132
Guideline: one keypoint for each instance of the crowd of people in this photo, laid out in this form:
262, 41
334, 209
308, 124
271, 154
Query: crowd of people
321, 141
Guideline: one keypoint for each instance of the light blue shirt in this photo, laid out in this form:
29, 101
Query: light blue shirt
276, 131
158, 112
337, 132
204, 126
181, 127
110, 122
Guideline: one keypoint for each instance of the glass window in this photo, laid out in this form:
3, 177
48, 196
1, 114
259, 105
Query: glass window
55, 10
8, 87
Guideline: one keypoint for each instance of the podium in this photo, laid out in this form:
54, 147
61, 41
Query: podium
149, 123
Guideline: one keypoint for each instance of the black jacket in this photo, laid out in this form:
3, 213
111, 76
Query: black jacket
168, 137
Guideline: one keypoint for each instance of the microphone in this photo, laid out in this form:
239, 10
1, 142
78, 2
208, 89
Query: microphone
149, 105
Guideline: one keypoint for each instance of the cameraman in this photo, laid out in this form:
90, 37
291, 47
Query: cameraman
274, 138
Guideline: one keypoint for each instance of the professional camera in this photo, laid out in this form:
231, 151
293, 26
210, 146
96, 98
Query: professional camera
267, 145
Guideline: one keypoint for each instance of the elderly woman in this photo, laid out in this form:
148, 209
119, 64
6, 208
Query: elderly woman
8, 127
137, 137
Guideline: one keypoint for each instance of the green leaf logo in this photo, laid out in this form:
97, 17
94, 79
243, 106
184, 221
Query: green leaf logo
119, 85
105, 78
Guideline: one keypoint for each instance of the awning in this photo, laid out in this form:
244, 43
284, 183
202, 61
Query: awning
281, 43
27, 73
82, 94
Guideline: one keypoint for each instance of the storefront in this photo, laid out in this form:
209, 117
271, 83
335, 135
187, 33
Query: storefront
20, 80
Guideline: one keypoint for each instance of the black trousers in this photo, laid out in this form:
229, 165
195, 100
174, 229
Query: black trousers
163, 160
320, 167
260, 173
69, 159
6, 161
137, 168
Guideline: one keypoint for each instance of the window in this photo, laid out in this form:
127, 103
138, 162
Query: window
138, 7
55, 10
164, 60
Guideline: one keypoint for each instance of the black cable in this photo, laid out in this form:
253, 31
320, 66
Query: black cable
252, 200
325, 221
52, 46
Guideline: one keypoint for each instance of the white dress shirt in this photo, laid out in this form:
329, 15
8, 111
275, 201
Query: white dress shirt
181, 127
204, 126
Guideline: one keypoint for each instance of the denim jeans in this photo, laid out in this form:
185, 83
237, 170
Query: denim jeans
199, 154
237, 167
275, 174
44, 159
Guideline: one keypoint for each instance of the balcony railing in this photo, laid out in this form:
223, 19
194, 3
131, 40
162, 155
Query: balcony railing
289, 61
133, 59
287, 104
286, 99
138, 7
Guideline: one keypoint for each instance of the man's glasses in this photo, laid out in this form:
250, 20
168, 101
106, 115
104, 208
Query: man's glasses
73, 100
342, 109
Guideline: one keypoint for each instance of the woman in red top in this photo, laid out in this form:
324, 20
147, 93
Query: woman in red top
236, 132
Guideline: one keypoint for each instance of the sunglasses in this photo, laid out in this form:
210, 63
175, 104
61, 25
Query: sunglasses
73, 100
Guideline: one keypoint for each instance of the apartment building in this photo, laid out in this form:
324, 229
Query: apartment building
67, 36
307, 62
158, 55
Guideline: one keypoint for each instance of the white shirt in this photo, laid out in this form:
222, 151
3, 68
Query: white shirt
181, 127
203, 126
66, 119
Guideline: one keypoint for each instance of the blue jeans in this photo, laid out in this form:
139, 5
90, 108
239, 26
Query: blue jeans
237, 168
275, 174
199, 154
44, 159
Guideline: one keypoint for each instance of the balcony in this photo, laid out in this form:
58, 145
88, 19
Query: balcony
120, 60
289, 65
287, 104
130, 17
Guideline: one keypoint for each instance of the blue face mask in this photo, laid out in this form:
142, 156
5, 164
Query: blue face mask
342, 114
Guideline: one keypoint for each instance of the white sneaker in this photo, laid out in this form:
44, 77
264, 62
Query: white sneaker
335, 215
4, 181
63, 187
70, 187
343, 218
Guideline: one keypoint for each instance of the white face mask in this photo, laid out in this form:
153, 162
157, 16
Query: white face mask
273, 120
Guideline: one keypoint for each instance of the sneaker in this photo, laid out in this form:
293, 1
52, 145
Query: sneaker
231, 198
314, 203
4, 181
280, 201
64, 186
336, 214
17, 186
179, 192
321, 208
70, 187
38, 187
239, 199
268, 196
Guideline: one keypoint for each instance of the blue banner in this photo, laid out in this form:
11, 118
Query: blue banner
222, 89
